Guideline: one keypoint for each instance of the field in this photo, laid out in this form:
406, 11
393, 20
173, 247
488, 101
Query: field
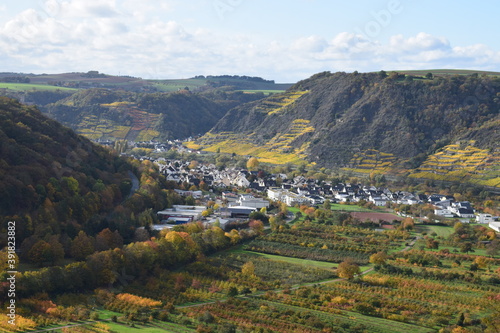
446, 72
296, 261
27, 87
375, 217
441, 231
289, 280
349, 208
264, 91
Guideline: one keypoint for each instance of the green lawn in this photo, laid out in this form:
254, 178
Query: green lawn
27, 87
439, 230
295, 210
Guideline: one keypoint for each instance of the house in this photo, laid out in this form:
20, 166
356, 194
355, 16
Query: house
242, 181
378, 201
444, 212
462, 209
292, 199
276, 194
466, 213
486, 218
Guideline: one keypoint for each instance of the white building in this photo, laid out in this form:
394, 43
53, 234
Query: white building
485, 218
276, 194
495, 226
443, 212
251, 201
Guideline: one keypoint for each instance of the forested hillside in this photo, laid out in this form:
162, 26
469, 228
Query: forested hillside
372, 122
106, 114
54, 182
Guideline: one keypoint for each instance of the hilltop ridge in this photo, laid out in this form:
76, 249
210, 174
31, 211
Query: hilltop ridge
373, 122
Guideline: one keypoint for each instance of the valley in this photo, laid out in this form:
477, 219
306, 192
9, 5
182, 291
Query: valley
347, 203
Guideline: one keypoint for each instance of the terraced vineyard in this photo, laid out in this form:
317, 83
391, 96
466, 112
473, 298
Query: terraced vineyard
372, 160
462, 162
140, 129
277, 150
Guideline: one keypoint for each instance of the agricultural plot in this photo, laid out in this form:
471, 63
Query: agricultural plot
104, 127
462, 163
277, 150
328, 243
32, 87
372, 161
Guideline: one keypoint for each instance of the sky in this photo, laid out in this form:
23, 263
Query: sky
285, 41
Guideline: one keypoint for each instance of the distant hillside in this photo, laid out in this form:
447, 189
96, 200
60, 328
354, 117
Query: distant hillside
108, 114
16, 82
373, 123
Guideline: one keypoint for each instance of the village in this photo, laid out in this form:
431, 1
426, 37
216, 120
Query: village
239, 192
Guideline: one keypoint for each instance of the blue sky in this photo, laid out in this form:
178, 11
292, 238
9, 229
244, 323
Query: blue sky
281, 40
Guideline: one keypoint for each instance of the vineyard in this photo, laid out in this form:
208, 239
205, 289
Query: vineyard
277, 150
372, 161
462, 162
107, 125
292, 279
328, 243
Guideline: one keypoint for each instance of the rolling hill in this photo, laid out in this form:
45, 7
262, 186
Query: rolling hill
374, 122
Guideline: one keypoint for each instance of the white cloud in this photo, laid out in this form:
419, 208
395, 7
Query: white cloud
131, 37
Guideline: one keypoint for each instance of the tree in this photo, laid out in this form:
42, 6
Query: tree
82, 246
40, 253
493, 248
327, 205
248, 269
429, 76
348, 269
466, 247
431, 243
252, 163
257, 226
378, 258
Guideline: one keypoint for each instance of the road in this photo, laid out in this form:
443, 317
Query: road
135, 183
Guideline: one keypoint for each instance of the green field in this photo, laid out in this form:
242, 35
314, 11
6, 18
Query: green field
174, 85
265, 92
155, 327
439, 230
27, 87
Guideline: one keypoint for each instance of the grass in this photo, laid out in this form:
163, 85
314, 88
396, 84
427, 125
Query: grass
264, 91
439, 230
296, 261
27, 87
106, 314
156, 327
